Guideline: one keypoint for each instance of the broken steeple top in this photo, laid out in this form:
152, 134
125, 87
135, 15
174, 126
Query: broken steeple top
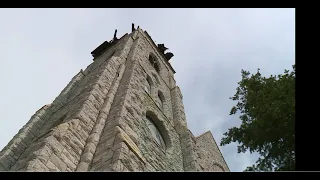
107, 44
104, 46
132, 28
162, 48
168, 55
115, 36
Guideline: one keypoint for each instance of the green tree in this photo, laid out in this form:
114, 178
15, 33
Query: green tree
267, 110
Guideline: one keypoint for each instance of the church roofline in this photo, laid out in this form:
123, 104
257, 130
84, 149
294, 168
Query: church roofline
209, 132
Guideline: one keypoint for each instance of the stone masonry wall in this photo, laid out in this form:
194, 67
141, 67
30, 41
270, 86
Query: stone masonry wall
126, 144
208, 154
109, 142
187, 142
11, 153
65, 125
142, 103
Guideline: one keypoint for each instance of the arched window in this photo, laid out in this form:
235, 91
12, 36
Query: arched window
160, 99
148, 85
154, 63
155, 133
217, 167
156, 77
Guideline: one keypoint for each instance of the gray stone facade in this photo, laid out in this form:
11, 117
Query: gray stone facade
98, 122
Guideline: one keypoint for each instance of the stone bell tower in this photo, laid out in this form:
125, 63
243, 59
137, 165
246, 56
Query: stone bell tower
124, 112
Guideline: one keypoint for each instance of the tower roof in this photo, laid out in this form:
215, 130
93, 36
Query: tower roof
160, 47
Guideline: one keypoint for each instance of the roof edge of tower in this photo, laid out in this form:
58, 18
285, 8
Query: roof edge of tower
161, 54
105, 46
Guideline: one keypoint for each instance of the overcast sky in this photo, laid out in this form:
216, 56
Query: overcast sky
42, 49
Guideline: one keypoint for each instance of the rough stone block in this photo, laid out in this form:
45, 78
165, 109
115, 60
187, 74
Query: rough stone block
82, 132
68, 162
52, 167
54, 144
43, 154
58, 163
83, 167
90, 148
37, 166
71, 157
87, 157
73, 142
77, 135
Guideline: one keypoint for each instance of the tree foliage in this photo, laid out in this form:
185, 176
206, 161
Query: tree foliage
267, 110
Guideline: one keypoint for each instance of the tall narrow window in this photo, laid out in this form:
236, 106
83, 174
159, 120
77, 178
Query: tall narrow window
156, 78
155, 133
154, 63
148, 85
160, 99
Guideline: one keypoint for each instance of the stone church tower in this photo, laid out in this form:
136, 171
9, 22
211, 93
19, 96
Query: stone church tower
124, 112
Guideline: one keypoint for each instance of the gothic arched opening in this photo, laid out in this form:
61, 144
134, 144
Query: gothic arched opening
156, 77
161, 98
158, 131
149, 84
155, 133
154, 62
217, 167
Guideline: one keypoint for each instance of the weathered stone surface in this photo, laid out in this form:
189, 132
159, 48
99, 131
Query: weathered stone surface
58, 163
52, 167
43, 154
70, 157
83, 167
98, 121
37, 166
71, 165
55, 145
210, 158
